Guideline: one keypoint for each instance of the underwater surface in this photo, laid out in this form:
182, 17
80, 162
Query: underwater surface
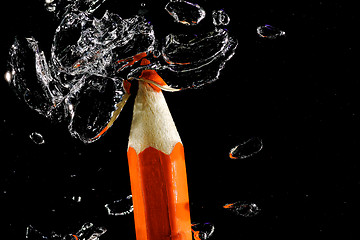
271, 137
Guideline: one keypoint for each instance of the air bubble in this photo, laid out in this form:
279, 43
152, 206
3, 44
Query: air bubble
244, 209
37, 138
185, 12
50, 5
269, 32
202, 231
120, 207
220, 18
76, 198
246, 149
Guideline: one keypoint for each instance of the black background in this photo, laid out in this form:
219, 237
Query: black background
299, 94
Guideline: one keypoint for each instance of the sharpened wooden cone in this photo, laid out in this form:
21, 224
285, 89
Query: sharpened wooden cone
157, 170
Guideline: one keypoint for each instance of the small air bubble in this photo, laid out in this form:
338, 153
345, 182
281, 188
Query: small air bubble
220, 18
269, 32
185, 12
246, 149
76, 198
244, 209
156, 53
50, 6
202, 231
120, 207
37, 138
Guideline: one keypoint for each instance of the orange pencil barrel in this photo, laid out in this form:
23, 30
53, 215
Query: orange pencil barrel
160, 194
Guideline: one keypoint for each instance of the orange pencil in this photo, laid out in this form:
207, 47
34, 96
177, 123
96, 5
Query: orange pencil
157, 167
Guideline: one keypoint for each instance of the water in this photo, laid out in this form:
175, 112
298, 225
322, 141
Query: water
242, 208
246, 149
269, 32
82, 82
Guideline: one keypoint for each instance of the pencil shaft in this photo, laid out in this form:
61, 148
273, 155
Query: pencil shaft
160, 194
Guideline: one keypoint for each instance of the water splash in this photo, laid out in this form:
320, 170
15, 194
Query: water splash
246, 149
86, 80
185, 12
120, 207
37, 138
87, 232
269, 32
202, 231
220, 18
244, 209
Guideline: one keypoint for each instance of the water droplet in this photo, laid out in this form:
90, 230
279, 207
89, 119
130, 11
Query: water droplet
246, 149
185, 12
202, 231
120, 207
244, 209
37, 138
269, 32
220, 18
